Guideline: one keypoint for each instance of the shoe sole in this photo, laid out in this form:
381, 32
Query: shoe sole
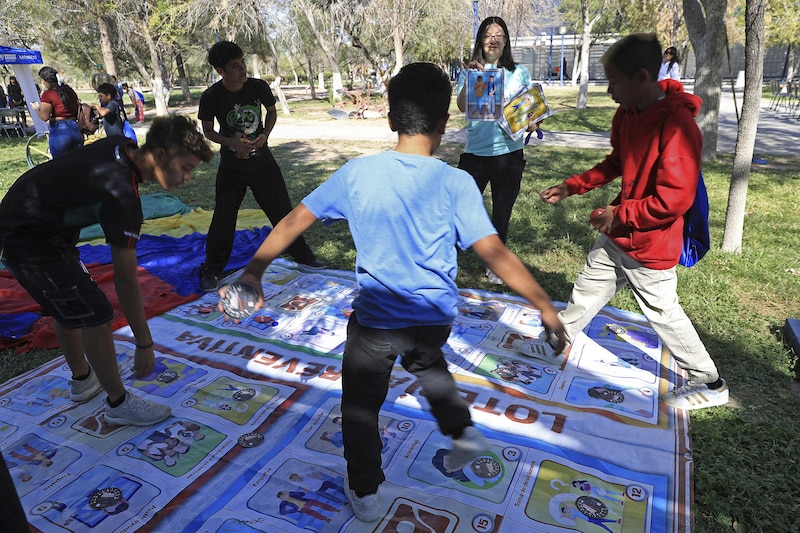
691, 402
110, 420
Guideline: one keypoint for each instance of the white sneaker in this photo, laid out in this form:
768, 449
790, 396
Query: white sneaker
367, 508
696, 396
471, 445
539, 349
80, 390
135, 411
493, 278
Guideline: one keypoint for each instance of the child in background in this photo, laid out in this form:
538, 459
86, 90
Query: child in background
137, 99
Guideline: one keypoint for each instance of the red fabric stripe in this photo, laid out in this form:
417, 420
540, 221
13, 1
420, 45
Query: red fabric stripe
157, 295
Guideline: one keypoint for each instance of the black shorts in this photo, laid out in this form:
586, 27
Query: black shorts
66, 292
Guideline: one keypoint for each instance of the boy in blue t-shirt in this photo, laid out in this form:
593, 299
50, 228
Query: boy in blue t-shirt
406, 211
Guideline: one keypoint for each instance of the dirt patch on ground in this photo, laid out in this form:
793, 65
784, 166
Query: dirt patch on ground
329, 150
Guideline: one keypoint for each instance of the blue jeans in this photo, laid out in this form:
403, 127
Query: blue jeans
64, 136
369, 355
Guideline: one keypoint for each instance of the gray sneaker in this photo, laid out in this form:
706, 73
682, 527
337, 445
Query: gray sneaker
367, 508
81, 390
466, 449
493, 278
135, 411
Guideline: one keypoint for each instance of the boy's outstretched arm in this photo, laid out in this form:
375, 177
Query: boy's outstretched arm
282, 235
505, 264
556, 193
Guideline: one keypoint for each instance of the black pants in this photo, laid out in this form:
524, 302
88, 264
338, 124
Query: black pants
263, 175
504, 172
369, 356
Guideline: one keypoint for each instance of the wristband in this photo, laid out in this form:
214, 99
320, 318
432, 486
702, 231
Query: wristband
146, 346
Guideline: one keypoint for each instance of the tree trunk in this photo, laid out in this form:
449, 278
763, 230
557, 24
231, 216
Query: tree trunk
184, 81
105, 46
706, 27
311, 76
159, 91
276, 71
397, 40
586, 43
746, 136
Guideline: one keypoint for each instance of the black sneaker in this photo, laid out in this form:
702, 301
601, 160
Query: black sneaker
312, 263
209, 279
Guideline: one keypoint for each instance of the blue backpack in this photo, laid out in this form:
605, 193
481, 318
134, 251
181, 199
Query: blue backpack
696, 240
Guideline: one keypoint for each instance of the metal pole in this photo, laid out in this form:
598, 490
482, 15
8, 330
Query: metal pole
474, 20
550, 62
561, 67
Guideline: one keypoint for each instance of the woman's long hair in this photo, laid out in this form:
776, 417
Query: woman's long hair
674, 51
505, 61
64, 91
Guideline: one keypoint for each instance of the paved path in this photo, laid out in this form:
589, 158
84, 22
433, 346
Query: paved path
778, 134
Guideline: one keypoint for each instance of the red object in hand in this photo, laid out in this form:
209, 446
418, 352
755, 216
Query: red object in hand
596, 213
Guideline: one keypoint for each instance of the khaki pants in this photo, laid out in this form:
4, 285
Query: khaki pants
608, 269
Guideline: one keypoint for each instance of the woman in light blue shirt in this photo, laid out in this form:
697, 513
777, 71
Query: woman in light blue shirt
491, 155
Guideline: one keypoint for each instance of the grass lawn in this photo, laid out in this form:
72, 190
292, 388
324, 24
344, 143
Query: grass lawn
746, 453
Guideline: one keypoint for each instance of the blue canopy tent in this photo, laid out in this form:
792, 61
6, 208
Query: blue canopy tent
19, 59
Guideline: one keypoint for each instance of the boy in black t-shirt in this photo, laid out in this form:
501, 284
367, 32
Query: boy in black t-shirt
40, 221
237, 103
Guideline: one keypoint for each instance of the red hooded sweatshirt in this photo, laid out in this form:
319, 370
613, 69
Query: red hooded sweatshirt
657, 153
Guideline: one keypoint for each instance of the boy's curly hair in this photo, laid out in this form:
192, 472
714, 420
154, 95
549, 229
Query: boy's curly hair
177, 135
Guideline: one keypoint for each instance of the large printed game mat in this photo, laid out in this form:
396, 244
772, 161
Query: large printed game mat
254, 442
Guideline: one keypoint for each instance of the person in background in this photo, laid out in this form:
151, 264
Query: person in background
109, 109
407, 212
656, 149
100, 77
137, 99
491, 155
244, 109
3, 97
59, 108
670, 65
40, 220
14, 90
118, 86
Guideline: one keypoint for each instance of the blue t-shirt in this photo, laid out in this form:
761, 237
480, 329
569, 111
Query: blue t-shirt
406, 214
486, 137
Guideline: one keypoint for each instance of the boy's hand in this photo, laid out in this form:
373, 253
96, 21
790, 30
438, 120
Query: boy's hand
245, 279
144, 361
556, 193
554, 327
602, 219
242, 146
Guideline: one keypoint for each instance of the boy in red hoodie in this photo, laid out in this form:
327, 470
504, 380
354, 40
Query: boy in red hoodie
656, 150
